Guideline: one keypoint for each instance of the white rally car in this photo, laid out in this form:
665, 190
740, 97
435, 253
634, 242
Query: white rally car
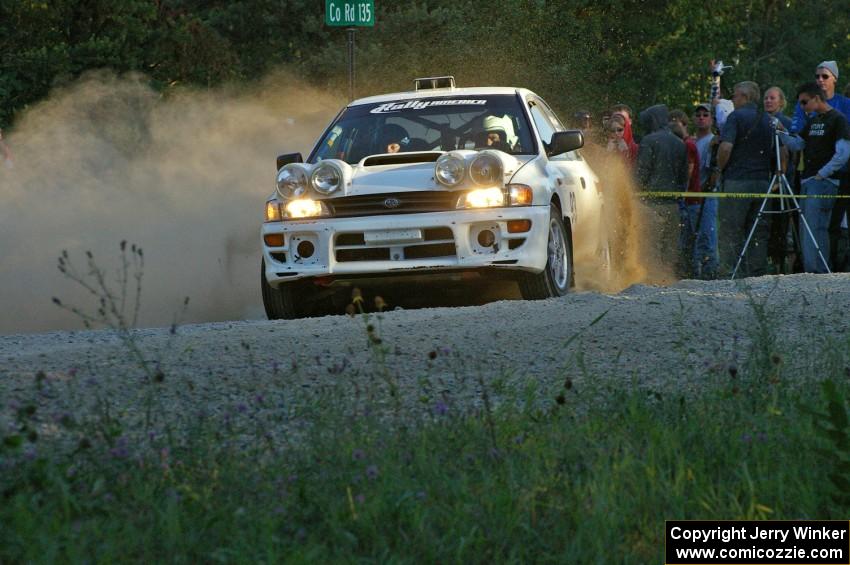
431, 184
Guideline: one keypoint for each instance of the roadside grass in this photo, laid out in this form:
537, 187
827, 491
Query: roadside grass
569, 479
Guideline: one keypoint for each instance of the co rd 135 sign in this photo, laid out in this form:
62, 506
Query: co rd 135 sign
350, 13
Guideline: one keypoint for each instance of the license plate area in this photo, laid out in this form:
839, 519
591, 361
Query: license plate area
380, 237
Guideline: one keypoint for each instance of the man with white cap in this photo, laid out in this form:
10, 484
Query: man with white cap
826, 77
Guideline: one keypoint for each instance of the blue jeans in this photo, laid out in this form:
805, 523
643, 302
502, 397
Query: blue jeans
703, 261
817, 212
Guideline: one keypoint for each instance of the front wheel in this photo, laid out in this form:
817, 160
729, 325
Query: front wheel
280, 303
557, 277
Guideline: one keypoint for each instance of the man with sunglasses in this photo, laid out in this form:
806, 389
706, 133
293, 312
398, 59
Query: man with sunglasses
825, 140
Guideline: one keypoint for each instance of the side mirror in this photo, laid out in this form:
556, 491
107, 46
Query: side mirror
563, 141
288, 158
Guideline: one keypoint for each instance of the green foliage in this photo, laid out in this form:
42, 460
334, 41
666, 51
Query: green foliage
560, 488
833, 426
585, 53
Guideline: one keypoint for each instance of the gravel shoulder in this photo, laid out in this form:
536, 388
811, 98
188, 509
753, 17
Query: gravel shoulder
665, 339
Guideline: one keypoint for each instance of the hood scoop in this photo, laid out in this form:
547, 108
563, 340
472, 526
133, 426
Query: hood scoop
402, 158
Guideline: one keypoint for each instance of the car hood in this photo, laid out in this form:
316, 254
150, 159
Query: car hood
380, 174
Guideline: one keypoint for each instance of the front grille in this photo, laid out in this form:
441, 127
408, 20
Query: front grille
437, 242
392, 203
364, 254
429, 251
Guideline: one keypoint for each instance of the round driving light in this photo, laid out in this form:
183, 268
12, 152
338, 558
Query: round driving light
486, 238
450, 170
486, 170
292, 182
306, 249
327, 178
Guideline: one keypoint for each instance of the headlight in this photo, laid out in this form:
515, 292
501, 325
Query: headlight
272, 211
292, 181
304, 208
486, 170
482, 198
327, 178
450, 169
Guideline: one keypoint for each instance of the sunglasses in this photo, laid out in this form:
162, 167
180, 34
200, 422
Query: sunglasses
823, 77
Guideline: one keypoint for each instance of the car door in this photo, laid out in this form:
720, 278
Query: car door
577, 184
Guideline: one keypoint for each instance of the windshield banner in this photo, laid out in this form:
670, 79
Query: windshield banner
420, 105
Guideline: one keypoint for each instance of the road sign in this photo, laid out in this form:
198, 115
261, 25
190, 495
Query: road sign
350, 13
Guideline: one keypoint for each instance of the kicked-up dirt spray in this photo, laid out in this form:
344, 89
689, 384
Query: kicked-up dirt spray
184, 176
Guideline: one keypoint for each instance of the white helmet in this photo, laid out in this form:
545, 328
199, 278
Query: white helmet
504, 125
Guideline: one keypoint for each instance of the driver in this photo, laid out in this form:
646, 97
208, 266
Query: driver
394, 138
498, 133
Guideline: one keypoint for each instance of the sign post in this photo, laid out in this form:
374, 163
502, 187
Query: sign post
351, 14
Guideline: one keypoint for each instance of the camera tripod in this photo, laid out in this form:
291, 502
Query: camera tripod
780, 183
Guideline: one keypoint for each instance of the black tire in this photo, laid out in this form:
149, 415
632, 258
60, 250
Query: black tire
281, 303
557, 277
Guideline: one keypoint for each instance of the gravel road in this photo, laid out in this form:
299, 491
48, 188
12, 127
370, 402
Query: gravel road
676, 338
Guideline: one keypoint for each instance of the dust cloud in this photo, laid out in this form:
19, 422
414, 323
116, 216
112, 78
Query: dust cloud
184, 176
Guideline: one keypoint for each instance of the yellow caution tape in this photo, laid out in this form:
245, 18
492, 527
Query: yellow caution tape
660, 194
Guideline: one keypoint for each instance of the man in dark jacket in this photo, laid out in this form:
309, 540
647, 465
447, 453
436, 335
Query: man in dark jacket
662, 165
744, 159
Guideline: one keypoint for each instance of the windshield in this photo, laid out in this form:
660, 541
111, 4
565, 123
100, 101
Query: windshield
428, 124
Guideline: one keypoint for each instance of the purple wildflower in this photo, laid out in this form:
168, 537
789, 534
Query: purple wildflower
372, 472
358, 455
441, 408
746, 438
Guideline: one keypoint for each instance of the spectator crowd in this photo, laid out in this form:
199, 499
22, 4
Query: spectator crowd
751, 157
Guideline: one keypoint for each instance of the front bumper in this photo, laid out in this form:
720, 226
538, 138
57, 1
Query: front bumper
394, 244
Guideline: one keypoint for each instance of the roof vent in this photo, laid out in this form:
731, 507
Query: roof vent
431, 83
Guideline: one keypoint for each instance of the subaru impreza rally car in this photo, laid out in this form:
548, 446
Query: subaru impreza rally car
431, 184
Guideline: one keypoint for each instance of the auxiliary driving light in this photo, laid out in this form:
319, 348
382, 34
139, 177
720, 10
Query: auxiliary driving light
292, 181
305, 249
450, 169
486, 238
327, 178
486, 170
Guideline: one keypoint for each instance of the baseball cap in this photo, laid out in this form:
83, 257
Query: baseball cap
704, 106
831, 66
